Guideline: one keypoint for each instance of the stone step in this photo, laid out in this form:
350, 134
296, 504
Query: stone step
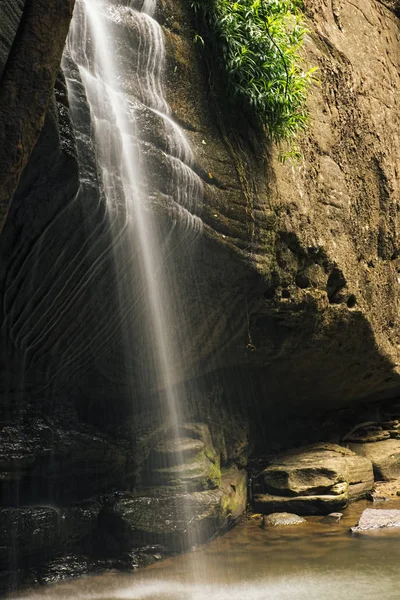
177, 451
196, 475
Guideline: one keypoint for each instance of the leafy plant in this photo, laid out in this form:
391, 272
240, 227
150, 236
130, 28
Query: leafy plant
255, 46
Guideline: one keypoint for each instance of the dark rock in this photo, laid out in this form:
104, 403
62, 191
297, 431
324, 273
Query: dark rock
302, 505
67, 566
48, 460
31, 535
368, 433
27, 82
11, 16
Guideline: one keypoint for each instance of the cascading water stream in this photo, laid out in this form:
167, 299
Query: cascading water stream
119, 102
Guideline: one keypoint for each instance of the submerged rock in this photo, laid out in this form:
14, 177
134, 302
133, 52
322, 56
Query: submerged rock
280, 519
333, 517
373, 519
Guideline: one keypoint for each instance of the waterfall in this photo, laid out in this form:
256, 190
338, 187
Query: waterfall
120, 55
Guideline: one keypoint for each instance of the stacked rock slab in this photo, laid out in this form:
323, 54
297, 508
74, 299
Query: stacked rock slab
174, 520
189, 498
379, 441
186, 460
385, 457
317, 479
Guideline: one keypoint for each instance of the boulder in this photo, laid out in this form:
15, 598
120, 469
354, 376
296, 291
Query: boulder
280, 519
385, 457
176, 520
385, 490
320, 478
373, 519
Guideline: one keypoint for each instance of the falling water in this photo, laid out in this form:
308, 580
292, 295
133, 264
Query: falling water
120, 55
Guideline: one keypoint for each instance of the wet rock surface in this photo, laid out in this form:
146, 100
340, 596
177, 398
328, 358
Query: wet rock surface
333, 518
32, 538
47, 459
281, 519
175, 520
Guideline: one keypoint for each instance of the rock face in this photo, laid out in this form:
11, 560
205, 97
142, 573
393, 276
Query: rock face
27, 81
315, 480
33, 534
290, 304
318, 238
296, 267
372, 519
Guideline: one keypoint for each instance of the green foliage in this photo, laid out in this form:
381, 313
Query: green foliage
256, 44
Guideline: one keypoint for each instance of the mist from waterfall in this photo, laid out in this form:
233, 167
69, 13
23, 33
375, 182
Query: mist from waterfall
142, 221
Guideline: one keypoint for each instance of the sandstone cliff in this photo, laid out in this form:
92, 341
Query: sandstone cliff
292, 298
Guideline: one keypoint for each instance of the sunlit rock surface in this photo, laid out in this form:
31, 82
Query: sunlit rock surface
372, 520
385, 457
317, 479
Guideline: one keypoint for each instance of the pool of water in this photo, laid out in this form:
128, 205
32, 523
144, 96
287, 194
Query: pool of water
314, 561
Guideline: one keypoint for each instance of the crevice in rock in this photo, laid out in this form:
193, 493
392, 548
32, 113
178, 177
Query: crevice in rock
336, 282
